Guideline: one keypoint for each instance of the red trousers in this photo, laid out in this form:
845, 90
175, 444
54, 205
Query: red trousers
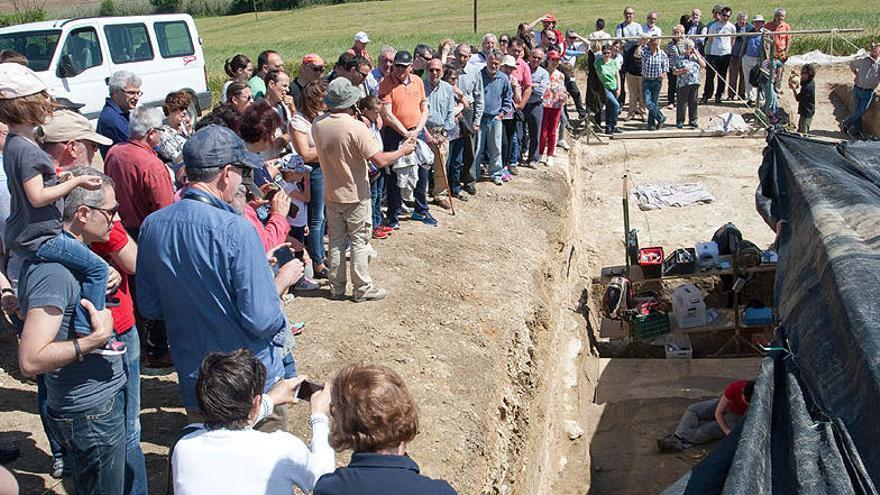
549, 126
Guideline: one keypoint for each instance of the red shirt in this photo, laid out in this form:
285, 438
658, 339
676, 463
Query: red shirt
734, 395
273, 233
123, 315
143, 183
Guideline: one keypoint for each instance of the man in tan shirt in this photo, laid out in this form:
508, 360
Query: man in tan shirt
344, 144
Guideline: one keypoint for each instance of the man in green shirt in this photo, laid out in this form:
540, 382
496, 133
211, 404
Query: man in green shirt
609, 74
267, 61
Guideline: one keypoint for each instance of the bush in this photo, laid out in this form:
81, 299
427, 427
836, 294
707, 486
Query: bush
23, 16
166, 6
107, 8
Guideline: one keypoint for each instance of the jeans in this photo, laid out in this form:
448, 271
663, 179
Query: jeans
42, 405
687, 102
698, 425
612, 110
651, 97
349, 223
534, 114
421, 192
516, 145
489, 140
549, 128
315, 239
861, 101
135, 465
716, 68
508, 141
454, 163
391, 141
769, 92
78, 258
377, 188
94, 443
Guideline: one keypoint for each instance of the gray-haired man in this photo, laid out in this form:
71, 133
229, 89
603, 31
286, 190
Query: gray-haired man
125, 92
143, 184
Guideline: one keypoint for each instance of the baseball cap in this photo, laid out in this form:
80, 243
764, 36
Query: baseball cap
549, 18
17, 81
553, 54
758, 18
66, 125
509, 61
403, 57
341, 94
62, 103
313, 59
362, 37
217, 146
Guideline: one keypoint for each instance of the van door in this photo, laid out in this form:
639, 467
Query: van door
131, 49
181, 54
81, 70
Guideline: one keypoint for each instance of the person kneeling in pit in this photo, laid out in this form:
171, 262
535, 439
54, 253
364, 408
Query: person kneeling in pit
711, 419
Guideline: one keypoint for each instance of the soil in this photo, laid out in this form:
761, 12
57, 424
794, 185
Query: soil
492, 323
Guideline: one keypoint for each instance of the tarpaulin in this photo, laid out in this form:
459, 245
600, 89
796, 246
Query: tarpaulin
812, 426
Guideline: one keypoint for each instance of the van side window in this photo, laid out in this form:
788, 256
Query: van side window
83, 47
174, 39
128, 43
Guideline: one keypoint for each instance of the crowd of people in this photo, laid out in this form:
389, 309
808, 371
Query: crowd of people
199, 230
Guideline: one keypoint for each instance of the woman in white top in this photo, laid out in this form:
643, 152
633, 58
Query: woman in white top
238, 68
312, 105
224, 455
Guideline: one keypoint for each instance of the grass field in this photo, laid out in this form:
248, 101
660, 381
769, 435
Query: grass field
328, 30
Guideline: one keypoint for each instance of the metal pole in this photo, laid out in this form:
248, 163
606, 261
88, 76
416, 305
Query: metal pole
475, 16
747, 35
626, 220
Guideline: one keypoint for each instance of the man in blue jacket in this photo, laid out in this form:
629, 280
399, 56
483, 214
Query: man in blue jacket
203, 270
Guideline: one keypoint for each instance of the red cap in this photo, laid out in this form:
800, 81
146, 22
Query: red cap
313, 59
549, 18
553, 54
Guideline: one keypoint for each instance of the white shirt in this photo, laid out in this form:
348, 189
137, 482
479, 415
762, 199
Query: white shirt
722, 45
598, 36
652, 31
234, 462
478, 60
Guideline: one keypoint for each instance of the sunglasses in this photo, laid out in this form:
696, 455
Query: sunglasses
110, 212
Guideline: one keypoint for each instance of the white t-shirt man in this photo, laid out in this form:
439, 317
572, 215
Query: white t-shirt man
723, 45
249, 461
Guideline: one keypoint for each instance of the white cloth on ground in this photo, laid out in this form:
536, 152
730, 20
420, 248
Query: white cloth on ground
657, 195
727, 122
820, 58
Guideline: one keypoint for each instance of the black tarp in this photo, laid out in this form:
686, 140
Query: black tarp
814, 422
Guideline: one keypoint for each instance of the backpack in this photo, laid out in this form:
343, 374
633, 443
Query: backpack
758, 76
618, 298
748, 254
728, 238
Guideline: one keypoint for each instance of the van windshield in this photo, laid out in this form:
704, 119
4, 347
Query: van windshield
37, 46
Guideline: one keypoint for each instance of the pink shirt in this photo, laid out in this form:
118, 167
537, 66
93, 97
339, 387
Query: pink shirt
522, 74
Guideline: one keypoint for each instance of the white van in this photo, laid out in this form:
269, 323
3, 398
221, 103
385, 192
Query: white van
75, 57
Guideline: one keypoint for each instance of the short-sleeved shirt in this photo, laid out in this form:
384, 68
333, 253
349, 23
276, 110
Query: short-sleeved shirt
721, 45
540, 80
28, 227
607, 72
123, 314
344, 145
300, 123
734, 395
79, 386
692, 76
406, 99
869, 72
258, 87
143, 184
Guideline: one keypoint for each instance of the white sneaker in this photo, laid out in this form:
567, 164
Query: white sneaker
562, 144
550, 161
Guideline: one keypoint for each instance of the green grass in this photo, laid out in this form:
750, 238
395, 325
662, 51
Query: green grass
328, 30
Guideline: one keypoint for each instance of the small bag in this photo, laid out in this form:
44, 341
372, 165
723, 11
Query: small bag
748, 254
728, 238
618, 298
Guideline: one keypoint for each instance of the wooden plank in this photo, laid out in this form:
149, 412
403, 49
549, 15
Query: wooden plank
685, 133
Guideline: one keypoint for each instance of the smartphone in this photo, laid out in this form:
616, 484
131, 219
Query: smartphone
307, 388
284, 256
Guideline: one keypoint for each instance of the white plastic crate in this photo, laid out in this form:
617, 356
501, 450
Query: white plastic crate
678, 346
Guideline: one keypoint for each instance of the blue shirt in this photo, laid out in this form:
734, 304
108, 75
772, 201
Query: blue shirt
540, 79
378, 474
753, 46
497, 95
441, 106
113, 124
202, 269
738, 42
654, 64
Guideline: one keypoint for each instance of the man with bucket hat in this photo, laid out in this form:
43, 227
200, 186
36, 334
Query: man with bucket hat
202, 269
344, 146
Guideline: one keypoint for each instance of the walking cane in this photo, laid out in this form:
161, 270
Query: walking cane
446, 181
